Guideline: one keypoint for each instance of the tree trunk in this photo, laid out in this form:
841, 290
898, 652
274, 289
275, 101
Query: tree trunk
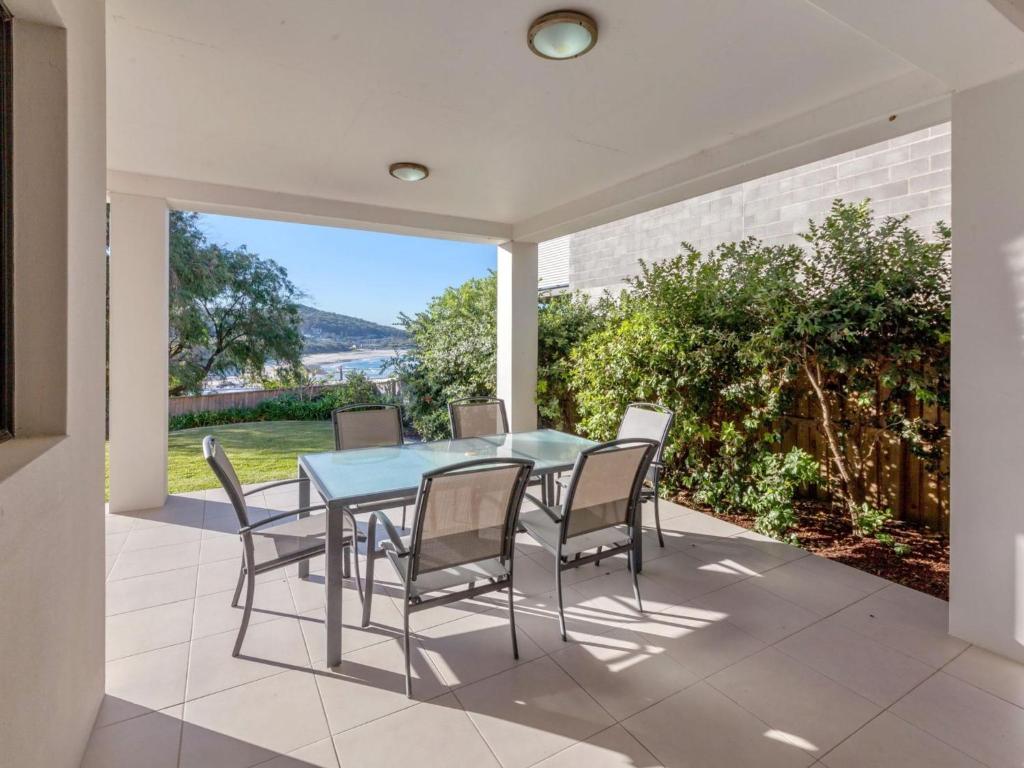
849, 489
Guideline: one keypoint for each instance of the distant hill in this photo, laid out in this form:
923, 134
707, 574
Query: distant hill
330, 332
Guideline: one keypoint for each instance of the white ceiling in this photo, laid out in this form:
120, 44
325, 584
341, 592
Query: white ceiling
317, 97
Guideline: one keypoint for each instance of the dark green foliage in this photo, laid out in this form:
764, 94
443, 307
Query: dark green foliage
355, 389
230, 311
454, 348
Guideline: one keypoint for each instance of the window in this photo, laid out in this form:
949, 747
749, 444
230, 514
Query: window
6, 233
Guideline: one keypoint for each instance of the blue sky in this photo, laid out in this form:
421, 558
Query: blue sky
365, 274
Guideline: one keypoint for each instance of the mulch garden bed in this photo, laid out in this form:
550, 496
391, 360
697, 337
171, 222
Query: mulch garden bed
827, 533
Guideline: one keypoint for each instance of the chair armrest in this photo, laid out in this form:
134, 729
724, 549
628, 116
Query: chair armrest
276, 484
280, 516
547, 510
389, 528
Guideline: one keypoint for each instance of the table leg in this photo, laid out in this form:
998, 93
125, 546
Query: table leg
334, 582
303, 502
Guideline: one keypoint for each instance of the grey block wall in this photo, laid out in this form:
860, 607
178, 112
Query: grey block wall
905, 175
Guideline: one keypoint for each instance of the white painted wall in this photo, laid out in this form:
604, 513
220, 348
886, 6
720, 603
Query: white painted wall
517, 333
138, 352
987, 482
51, 474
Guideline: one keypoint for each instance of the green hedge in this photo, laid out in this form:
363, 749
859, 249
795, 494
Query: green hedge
356, 389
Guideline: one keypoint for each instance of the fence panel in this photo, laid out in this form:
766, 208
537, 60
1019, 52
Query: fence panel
221, 401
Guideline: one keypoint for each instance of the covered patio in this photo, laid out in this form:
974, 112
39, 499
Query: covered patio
749, 652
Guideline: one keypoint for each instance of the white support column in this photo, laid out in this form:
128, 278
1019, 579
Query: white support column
987, 474
517, 333
138, 352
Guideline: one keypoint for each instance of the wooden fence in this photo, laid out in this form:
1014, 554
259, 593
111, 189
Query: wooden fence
897, 479
249, 398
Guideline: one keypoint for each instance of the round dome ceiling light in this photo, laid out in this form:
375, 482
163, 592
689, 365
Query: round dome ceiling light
409, 171
562, 35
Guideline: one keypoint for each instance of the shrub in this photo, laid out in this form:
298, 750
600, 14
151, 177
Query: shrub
355, 389
454, 354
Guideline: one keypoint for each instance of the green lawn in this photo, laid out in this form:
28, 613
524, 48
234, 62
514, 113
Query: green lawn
260, 451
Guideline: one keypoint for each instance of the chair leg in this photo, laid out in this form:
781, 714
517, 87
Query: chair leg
512, 622
657, 513
408, 671
598, 561
561, 607
355, 560
368, 588
403, 517
250, 592
238, 586
346, 563
636, 583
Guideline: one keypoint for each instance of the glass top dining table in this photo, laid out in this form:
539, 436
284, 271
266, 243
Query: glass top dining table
364, 475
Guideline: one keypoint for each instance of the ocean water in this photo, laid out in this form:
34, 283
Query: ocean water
373, 366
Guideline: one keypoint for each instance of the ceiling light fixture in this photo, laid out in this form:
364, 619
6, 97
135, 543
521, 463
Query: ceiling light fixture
562, 35
409, 171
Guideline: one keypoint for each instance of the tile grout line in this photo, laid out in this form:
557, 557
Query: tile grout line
188, 661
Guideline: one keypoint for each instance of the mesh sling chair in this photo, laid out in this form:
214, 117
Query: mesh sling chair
600, 515
369, 425
462, 542
477, 416
267, 544
652, 422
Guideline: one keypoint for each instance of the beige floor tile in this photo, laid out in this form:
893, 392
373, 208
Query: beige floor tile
537, 616
214, 613
153, 589
814, 591
794, 699
269, 649
873, 670
434, 734
118, 524
109, 562
687, 577
474, 647
310, 594
987, 728
703, 647
918, 629
998, 675
611, 748
701, 728
150, 741
385, 624
143, 562
843, 574
729, 552
531, 712
768, 545
140, 684
253, 723
114, 542
667, 509
370, 683
218, 548
698, 522
889, 742
177, 510
223, 575
623, 672
756, 611
320, 754
148, 629
165, 535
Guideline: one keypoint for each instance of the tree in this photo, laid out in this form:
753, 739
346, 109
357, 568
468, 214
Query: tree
455, 346
867, 322
230, 311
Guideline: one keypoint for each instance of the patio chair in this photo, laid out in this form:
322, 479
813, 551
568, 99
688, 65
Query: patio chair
462, 542
650, 421
369, 425
600, 515
477, 417
266, 544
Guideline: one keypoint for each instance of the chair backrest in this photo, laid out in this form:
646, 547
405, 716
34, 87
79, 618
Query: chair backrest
366, 425
649, 421
225, 472
604, 489
467, 512
477, 416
